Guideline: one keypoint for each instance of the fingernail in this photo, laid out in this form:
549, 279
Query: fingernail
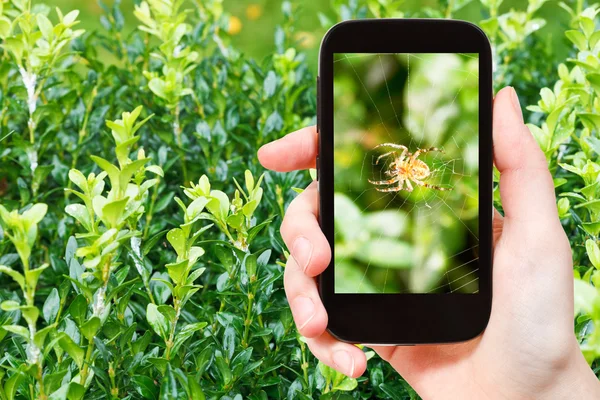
344, 362
304, 310
302, 251
515, 101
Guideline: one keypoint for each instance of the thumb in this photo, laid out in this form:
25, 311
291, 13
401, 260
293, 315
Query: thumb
526, 186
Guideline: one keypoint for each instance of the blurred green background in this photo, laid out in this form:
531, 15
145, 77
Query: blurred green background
425, 240
253, 22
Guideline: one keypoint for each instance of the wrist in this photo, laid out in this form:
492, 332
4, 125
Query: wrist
576, 381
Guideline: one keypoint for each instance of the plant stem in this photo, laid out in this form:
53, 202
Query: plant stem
248, 320
170, 343
86, 363
40, 379
304, 365
114, 390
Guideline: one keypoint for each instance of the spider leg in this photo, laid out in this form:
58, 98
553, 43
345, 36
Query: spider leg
443, 189
396, 188
394, 146
384, 155
423, 151
409, 187
395, 179
427, 185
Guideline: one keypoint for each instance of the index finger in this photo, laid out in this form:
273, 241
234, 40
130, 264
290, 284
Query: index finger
296, 150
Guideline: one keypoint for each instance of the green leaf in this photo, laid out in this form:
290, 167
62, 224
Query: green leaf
542, 137
157, 321
229, 341
145, 386
155, 169
326, 371
158, 87
10, 305
112, 171
249, 208
40, 336
270, 84
224, 369
51, 306
590, 121
251, 264
70, 18
17, 277
131, 169
274, 123
586, 297
186, 333
196, 207
587, 25
12, 384
249, 181
195, 253
219, 205
346, 384
31, 314
112, 213
225, 256
90, 328
81, 214
68, 391
236, 220
45, 26
33, 275
594, 79
17, 330
76, 391
578, 39
36, 213
177, 271
593, 228
67, 344
177, 239
194, 389
78, 309
168, 386
593, 252
594, 39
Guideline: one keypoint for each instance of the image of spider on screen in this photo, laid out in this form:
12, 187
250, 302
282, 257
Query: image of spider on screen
406, 173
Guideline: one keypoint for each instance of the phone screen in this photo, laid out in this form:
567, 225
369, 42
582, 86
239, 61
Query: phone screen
406, 172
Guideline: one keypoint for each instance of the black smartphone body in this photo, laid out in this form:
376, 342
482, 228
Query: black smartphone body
405, 180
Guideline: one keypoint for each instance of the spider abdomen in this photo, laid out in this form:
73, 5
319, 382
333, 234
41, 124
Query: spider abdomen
419, 170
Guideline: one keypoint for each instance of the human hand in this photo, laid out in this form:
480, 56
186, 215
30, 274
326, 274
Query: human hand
529, 349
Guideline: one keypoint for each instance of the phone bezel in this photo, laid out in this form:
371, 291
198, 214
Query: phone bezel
406, 318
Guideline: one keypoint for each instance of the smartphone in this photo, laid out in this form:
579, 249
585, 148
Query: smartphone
405, 180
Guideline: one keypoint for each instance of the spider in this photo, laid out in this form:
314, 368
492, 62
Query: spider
405, 168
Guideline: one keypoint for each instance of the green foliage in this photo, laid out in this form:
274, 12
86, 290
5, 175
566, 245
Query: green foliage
118, 288
568, 134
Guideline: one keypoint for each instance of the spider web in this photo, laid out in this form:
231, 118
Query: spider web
413, 115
